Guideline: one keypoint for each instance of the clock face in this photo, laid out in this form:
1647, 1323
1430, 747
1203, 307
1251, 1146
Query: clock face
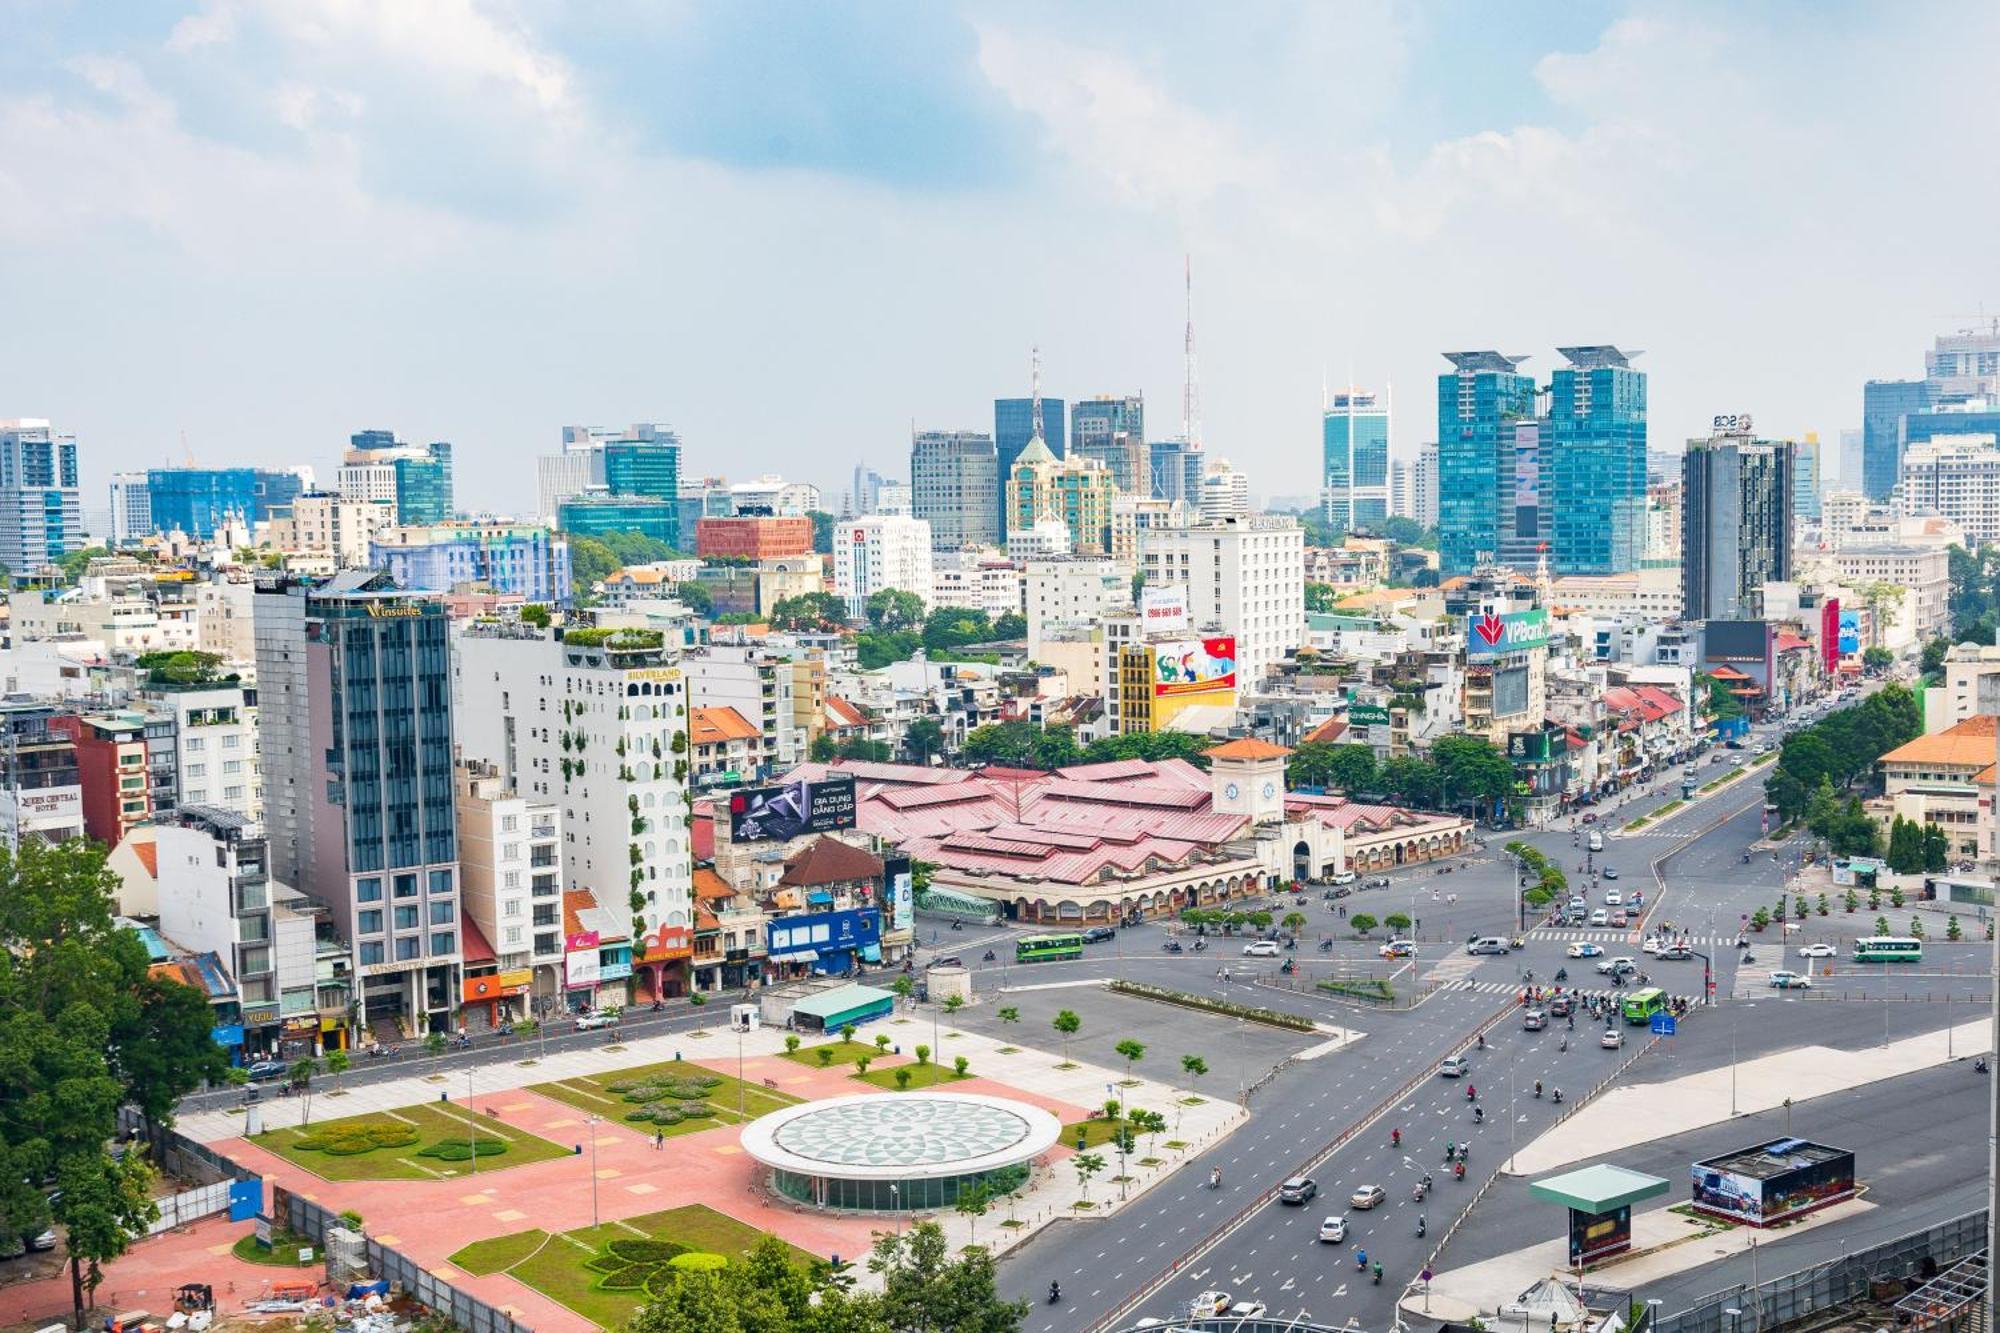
1270, 790
1232, 791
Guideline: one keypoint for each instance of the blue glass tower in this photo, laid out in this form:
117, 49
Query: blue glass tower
1884, 404
1013, 424
1594, 467
195, 499
1354, 443
1479, 402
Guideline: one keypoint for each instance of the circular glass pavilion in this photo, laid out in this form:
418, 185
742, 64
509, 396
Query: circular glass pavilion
899, 1151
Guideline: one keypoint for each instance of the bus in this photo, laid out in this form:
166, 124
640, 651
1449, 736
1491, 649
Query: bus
1888, 949
1047, 948
1641, 1005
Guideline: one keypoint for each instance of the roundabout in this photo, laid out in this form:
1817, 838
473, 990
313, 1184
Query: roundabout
899, 1151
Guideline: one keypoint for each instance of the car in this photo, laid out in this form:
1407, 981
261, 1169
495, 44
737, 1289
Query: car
1612, 966
1488, 944
1378, 882
1676, 953
1299, 1189
1099, 934
1534, 1021
1343, 877
1590, 817
1171, 946
1342, 891
1367, 1196
1613, 898
1733, 744
44, 1242
259, 1070
1612, 1039
1399, 949
1577, 903
1610, 872
1209, 1304
1821, 949
1652, 944
1261, 949
1783, 980
1247, 1309
1563, 1005
1454, 1066
1333, 1230
949, 960
1618, 917
599, 1019
1600, 917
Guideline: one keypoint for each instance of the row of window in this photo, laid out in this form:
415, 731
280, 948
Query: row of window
443, 913
410, 948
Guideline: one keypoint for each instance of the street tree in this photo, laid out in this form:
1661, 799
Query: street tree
1087, 1164
925, 1290
1133, 1051
1362, 923
1068, 1024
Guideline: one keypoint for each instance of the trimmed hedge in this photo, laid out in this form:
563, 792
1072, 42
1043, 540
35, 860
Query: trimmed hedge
645, 1251
1187, 1000
459, 1150
357, 1137
698, 1261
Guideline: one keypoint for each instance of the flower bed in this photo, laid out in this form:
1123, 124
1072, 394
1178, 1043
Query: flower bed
1229, 1008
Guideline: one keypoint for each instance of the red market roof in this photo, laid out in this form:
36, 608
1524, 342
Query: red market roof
1247, 747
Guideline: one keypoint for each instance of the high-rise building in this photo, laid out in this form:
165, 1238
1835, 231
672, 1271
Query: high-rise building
1354, 445
415, 478
595, 515
355, 703
1112, 430
1424, 486
1399, 488
1225, 492
1852, 452
954, 483
1965, 364
514, 559
1523, 530
1736, 523
1884, 404
1806, 478
1014, 426
579, 468
1594, 463
648, 468
41, 509
1961, 373
131, 508
865, 495
1245, 575
1479, 400
877, 552
1076, 490
1176, 469
1957, 478
196, 500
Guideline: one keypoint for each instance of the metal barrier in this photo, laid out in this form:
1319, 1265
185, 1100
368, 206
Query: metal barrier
179, 1156
1808, 1291
305, 1218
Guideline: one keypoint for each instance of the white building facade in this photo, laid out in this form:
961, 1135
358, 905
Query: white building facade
1246, 575
880, 551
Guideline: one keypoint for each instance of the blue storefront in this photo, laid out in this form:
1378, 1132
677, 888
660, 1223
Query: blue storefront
824, 943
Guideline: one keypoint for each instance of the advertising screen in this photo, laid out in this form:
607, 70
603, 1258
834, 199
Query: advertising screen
1736, 641
1493, 633
1728, 1193
1510, 691
1164, 608
1594, 1236
778, 814
1194, 666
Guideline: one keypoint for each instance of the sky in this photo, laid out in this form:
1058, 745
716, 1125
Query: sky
795, 232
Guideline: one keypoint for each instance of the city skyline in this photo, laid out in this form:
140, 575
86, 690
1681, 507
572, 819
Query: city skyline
186, 161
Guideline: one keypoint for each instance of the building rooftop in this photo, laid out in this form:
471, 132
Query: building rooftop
1247, 747
713, 726
830, 861
1774, 1159
1970, 744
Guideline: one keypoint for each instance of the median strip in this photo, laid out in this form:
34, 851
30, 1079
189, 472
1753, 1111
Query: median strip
1228, 1008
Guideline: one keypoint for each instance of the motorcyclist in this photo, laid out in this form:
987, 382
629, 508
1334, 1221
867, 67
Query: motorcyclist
1360, 1258
1055, 1293
1376, 1273
1215, 1178
1420, 1224
1458, 1169
1471, 1093
1558, 1096
1482, 1041
1538, 1088
1395, 1138
1478, 1115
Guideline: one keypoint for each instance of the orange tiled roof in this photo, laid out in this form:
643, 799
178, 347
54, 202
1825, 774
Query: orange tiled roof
844, 714
712, 726
148, 853
574, 901
1969, 745
1247, 747
709, 886
1327, 732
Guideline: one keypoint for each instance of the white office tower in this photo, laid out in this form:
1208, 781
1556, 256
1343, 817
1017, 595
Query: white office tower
596, 725
880, 551
1957, 477
1244, 574
1424, 486
1225, 493
131, 508
41, 509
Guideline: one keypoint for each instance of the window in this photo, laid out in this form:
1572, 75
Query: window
510, 851
440, 881
511, 880
444, 941
368, 890
232, 793
409, 947
371, 954
406, 886
443, 913
197, 770
232, 742
370, 922
406, 918
195, 744
513, 936
508, 823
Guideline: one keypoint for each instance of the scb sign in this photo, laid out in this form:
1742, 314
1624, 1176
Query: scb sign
1734, 423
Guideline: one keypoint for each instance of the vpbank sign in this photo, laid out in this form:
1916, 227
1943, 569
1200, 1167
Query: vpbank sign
1492, 633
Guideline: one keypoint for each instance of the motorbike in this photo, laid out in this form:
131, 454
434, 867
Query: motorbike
1562, 975
1287, 968
1458, 1169
1199, 945
989, 956
1420, 1227
1417, 1192
1478, 1115
1055, 1294
1979, 1065
1377, 1274
958, 925
1326, 946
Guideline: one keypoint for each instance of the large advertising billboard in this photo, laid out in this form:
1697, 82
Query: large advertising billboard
779, 814
1510, 691
1594, 1236
1194, 666
1728, 1193
1164, 608
1742, 641
1493, 633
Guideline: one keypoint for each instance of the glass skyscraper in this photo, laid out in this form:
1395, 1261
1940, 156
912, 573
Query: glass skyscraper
195, 499
1884, 404
1594, 463
423, 486
41, 510
1354, 442
1013, 427
1479, 402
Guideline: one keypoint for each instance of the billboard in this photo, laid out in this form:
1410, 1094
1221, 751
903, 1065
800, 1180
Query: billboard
779, 814
898, 905
1367, 715
1829, 634
1510, 691
1194, 666
1850, 633
1594, 1236
1164, 608
1776, 1182
820, 933
1490, 634
1736, 641
581, 969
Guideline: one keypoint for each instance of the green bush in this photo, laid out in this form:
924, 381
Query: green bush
458, 1150
353, 1139
625, 1277
645, 1250
698, 1261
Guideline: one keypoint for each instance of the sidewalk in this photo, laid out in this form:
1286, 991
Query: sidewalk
1642, 1112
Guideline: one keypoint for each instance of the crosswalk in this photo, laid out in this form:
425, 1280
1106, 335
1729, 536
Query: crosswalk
1608, 937
1514, 988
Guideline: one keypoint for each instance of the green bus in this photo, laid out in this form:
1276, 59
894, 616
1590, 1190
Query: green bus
1047, 948
1641, 1005
1888, 949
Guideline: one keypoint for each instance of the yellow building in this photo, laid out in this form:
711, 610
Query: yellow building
1078, 491
1159, 680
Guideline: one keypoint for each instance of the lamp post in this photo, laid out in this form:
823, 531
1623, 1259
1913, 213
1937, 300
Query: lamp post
471, 1122
739, 1069
593, 1170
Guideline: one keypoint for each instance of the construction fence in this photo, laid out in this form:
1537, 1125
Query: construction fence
305, 1218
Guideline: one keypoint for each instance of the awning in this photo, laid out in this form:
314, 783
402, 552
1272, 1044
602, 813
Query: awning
819, 896
871, 953
801, 956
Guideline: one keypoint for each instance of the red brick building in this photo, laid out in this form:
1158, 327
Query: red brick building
111, 768
754, 536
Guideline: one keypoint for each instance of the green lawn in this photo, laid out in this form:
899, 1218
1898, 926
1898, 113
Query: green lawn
423, 1126
284, 1251
554, 1265
921, 1076
498, 1253
593, 1093
844, 1053
1096, 1132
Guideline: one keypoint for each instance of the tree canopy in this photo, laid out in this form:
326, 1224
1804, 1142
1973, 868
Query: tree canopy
811, 612
1839, 749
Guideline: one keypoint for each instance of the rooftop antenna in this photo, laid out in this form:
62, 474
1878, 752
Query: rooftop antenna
1035, 374
1191, 392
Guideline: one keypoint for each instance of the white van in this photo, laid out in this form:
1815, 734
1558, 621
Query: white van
1487, 944
1596, 841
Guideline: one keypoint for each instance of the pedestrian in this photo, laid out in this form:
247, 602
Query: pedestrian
659, 1139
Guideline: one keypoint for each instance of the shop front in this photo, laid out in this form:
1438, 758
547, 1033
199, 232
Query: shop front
501, 993
582, 970
832, 944
664, 952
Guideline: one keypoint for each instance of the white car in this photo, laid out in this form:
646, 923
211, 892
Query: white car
1612, 1039
1820, 950
1652, 944
1611, 965
1790, 981
1613, 898
1333, 1230
600, 1019
1342, 877
1261, 949
1585, 949
1247, 1309
1600, 917
1209, 1304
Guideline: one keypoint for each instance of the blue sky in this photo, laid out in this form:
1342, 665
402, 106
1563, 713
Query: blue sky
796, 230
